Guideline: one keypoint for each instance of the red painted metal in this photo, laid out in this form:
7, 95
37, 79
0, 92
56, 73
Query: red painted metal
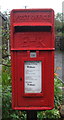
32, 30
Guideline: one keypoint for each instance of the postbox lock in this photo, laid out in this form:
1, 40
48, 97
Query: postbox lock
20, 78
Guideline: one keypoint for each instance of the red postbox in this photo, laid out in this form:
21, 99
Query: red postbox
32, 58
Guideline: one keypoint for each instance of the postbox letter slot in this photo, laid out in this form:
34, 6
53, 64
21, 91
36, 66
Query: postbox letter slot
32, 28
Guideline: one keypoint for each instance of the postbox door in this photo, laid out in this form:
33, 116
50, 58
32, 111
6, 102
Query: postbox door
42, 98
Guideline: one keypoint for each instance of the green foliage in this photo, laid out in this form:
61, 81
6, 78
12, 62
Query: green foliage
58, 92
5, 34
7, 111
58, 22
58, 17
49, 114
6, 73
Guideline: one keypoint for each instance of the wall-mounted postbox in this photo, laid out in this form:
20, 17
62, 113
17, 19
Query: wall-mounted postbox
32, 58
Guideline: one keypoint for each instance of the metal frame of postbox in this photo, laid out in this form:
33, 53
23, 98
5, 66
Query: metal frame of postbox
20, 52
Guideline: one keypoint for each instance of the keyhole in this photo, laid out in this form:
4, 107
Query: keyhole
20, 78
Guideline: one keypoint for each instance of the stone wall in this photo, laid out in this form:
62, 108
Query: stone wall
59, 42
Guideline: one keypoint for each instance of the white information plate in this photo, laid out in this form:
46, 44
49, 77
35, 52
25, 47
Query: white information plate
33, 77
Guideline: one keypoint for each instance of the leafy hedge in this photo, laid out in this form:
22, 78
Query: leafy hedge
7, 112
